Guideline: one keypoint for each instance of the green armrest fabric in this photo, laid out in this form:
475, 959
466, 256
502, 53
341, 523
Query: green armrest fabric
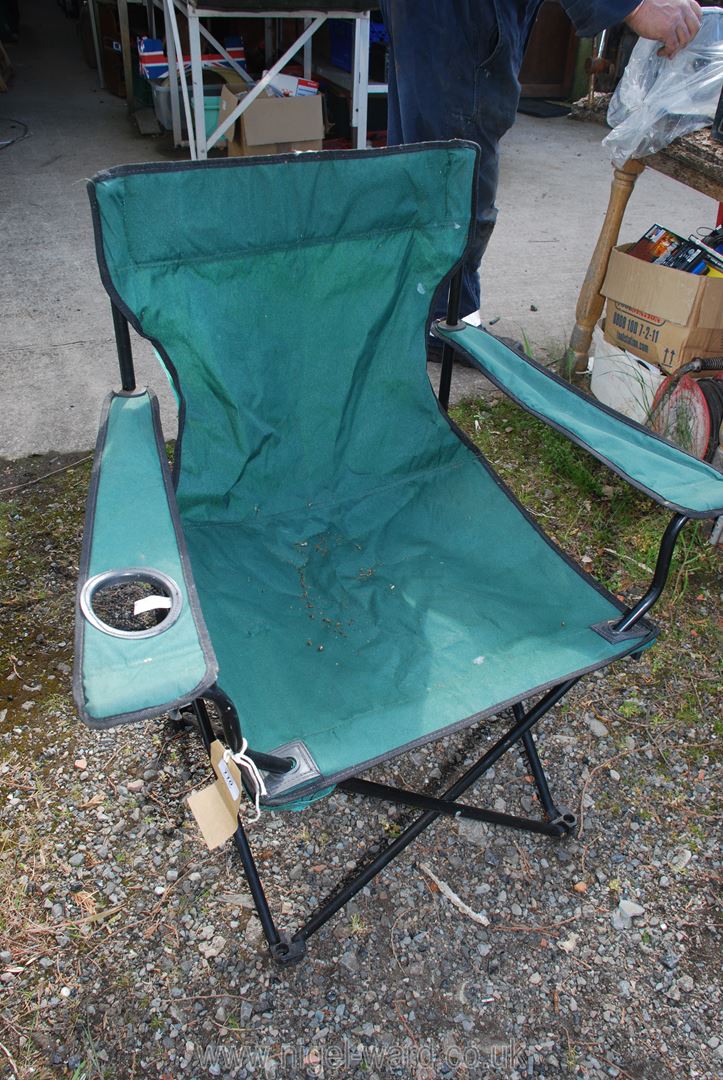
131, 522
673, 478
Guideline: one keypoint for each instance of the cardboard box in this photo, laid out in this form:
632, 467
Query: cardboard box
272, 125
661, 315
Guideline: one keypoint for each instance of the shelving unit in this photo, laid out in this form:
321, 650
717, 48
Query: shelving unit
191, 98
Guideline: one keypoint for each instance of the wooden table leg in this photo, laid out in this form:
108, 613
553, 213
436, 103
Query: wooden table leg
590, 302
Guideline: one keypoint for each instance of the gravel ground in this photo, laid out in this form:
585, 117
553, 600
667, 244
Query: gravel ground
128, 950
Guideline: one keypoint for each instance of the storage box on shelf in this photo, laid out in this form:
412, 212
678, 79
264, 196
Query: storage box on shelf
272, 125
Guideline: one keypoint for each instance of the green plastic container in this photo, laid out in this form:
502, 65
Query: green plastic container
211, 105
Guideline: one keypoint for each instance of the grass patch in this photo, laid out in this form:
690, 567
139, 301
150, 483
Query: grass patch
592, 513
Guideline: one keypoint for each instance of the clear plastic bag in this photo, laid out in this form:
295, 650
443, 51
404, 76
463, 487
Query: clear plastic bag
658, 99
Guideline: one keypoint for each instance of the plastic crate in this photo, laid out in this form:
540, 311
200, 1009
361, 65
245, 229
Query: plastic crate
341, 38
162, 107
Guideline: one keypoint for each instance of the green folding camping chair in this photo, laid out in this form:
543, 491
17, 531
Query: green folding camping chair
332, 574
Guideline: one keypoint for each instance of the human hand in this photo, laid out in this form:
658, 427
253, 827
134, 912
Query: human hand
671, 22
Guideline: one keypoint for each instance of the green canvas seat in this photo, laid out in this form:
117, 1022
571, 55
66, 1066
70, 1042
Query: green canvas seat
331, 565
383, 621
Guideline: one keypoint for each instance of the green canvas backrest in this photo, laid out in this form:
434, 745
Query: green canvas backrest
289, 302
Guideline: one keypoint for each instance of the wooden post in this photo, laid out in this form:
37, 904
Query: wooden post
126, 52
590, 302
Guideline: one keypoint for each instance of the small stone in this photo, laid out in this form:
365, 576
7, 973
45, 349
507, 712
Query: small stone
630, 908
80, 764
535, 978
254, 932
568, 945
680, 859
596, 727
621, 921
686, 984
213, 948
135, 786
171, 875
614, 774
670, 961
77, 860
65, 992
350, 962
580, 887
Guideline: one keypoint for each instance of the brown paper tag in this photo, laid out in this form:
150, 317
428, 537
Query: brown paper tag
216, 807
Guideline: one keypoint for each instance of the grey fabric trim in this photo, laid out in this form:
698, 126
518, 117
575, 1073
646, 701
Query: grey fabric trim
298, 159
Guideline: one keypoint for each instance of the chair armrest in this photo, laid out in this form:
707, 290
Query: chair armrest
132, 531
673, 478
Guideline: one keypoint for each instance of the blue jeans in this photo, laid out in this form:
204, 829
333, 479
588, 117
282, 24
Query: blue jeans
453, 70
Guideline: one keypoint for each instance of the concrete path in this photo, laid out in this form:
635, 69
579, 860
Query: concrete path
58, 356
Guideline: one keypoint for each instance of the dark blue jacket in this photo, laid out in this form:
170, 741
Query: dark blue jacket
592, 16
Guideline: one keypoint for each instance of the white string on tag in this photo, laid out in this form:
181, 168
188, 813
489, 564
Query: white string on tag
244, 762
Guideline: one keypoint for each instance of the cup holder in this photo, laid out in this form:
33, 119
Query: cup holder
131, 603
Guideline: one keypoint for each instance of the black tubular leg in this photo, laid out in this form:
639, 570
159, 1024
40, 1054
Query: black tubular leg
282, 950
445, 375
448, 808
204, 723
412, 831
229, 717
662, 567
234, 737
125, 353
289, 950
257, 890
538, 773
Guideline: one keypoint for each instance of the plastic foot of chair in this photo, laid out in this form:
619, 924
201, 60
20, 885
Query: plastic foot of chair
288, 950
565, 822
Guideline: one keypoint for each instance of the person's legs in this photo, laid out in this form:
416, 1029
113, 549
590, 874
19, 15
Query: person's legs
453, 75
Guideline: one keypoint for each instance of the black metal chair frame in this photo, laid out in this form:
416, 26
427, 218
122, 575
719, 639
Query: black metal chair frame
290, 948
